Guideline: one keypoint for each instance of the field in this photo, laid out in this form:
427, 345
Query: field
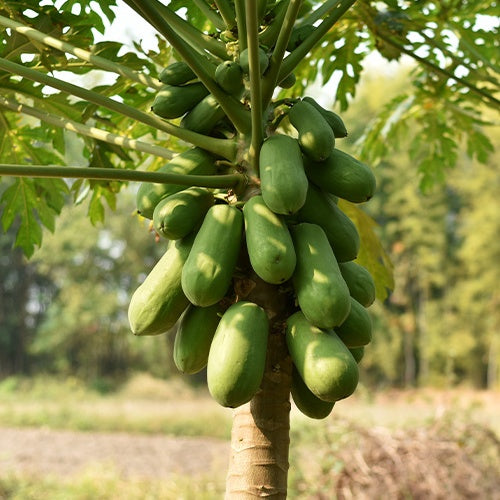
156, 440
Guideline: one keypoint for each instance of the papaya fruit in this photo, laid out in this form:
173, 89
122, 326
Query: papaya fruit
282, 176
229, 76
208, 270
180, 213
194, 336
269, 244
356, 330
321, 291
316, 138
159, 301
204, 116
288, 82
323, 361
344, 176
194, 161
298, 35
237, 357
357, 353
336, 123
319, 208
176, 73
359, 281
245, 64
174, 101
307, 402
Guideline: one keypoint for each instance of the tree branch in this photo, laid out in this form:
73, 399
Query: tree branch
223, 147
84, 55
117, 174
205, 71
93, 132
461, 81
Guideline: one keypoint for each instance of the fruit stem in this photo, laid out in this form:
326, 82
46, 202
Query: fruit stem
222, 147
79, 128
210, 14
297, 55
255, 83
118, 174
239, 6
271, 77
227, 13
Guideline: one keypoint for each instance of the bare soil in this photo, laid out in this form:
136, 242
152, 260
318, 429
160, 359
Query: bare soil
64, 453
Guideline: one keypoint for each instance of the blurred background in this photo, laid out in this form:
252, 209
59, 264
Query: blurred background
123, 423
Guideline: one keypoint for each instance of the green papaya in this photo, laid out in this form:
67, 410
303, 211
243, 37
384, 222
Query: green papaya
344, 176
180, 213
194, 161
357, 353
323, 361
208, 270
319, 208
282, 176
360, 282
288, 82
316, 138
176, 73
269, 244
307, 402
172, 101
229, 77
333, 119
237, 357
298, 35
159, 301
204, 116
321, 291
356, 330
245, 64
194, 337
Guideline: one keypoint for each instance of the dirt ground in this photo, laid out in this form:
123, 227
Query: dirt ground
64, 453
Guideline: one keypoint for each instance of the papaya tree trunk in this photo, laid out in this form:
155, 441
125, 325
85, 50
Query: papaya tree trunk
260, 437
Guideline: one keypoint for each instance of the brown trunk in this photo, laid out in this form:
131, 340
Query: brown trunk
260, 437
261, 432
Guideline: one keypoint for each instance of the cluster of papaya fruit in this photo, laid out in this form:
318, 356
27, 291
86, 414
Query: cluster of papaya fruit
293, 234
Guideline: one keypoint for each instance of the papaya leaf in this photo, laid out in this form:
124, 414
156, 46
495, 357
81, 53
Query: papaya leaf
371, 255
36, 202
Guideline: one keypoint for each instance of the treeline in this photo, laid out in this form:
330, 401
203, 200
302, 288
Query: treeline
65, 310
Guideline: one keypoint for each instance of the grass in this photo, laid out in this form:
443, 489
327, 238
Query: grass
144, 405
98, 483
390, 444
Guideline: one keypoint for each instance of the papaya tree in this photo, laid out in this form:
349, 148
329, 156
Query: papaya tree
270, 263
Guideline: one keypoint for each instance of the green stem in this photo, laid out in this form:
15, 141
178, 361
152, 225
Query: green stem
317, 14
84, 55
227, 13
295, 58
239, 6
271, 78
233, 108
252, 25
210, 14
93, 132
270, 34
117, 174
199, 40
223, 147
461, 81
